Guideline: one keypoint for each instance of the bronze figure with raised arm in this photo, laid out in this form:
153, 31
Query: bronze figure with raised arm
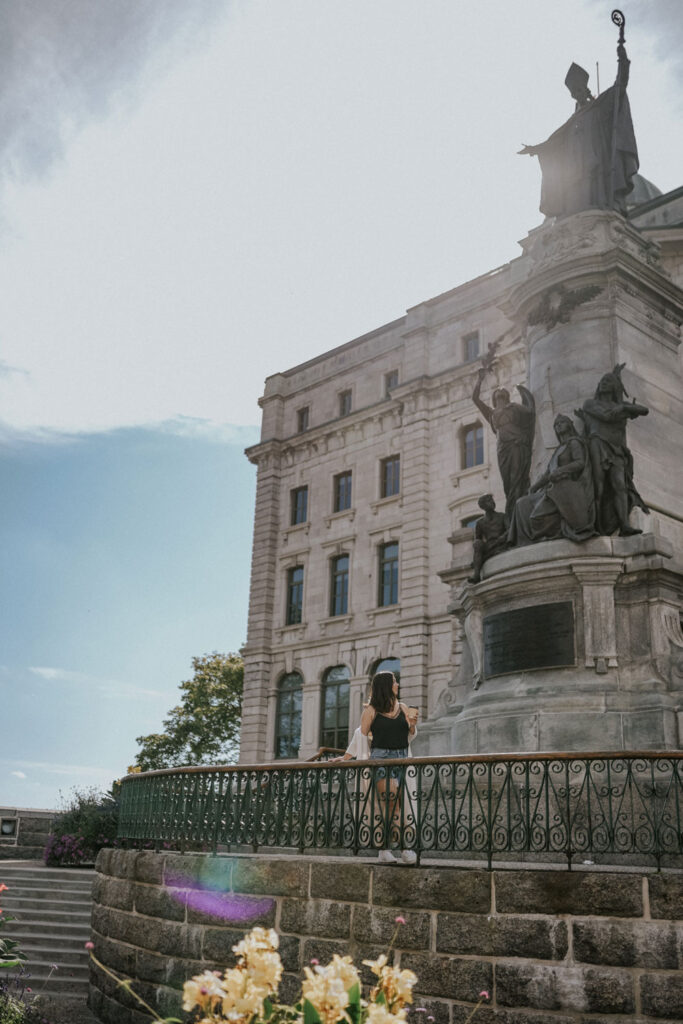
513, 425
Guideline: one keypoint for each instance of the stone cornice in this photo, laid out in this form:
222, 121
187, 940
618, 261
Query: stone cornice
582, 251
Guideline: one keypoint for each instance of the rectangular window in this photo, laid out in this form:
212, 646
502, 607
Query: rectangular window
295, 594
473, 446
470, 522
342, 491
334, 731
302, 419
344, 403
288, 716
390, 381
339, 589
470, 347
391, 476
388, 574
299, 505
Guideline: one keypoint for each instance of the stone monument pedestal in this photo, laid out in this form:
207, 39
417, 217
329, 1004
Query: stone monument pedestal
567, 647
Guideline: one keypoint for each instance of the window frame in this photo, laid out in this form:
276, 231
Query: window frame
294, 495
339, 577
478, 430
294, 605
303, 419
395, 475
284, 690
346, 491
466, 339
393, 583
341, 737
387, 385
345, 402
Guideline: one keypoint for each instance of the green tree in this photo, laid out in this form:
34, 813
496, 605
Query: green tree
204, 727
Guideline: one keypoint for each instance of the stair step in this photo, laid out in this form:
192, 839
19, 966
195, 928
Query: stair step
51, 908
38, 928
42, 880
27, 916
37, 867
44, 985
74, 956
16, 892
74, 941
15, 904
42, 968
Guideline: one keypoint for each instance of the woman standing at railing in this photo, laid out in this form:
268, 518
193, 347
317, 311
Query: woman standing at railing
392, 726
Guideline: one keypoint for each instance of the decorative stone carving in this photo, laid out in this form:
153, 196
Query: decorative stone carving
557, 304
599, 619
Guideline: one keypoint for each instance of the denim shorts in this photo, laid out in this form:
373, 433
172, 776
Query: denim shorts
396, 771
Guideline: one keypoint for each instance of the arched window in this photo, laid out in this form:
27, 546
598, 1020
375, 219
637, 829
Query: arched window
472, 446
288, 717
334, 718
387, 665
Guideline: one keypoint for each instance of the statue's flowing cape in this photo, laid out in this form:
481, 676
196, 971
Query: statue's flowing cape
576, 160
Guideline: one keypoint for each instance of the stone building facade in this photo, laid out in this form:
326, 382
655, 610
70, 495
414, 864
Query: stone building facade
371, 461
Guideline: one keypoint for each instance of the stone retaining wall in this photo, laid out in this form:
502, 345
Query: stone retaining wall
551, 947
31, 827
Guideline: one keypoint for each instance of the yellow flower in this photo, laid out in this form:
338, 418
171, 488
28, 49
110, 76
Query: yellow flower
204, 990
242, 999
265, 970
343, 968
325, 990
396, 985
258, 939
376, 965
379, 1014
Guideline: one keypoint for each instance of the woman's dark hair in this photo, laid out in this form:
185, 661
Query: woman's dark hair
382, 696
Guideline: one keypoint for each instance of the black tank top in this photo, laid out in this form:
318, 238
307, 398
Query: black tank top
391, 733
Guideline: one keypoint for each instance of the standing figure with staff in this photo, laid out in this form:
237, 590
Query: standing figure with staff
591, 160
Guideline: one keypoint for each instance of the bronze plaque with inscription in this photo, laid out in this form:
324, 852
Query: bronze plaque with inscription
540, 636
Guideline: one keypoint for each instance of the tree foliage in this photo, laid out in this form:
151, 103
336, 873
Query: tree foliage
204, 727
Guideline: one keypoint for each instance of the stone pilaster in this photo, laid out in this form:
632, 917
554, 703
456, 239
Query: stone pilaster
257, 651
414, 597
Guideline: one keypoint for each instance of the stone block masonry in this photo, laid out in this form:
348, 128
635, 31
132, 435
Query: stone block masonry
594, 946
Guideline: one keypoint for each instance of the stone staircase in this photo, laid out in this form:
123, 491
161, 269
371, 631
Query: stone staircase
52, 910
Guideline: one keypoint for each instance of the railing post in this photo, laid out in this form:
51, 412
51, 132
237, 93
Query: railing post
489, 823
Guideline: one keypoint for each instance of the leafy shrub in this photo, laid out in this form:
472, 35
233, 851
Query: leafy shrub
88, 823
16, 1001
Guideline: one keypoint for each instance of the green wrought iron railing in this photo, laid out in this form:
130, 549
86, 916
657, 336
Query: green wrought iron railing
576, 805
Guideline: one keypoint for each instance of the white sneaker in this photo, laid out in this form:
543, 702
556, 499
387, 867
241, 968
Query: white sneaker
386, 857
408, 857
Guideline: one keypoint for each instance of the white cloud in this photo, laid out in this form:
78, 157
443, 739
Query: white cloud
19, 775
61, 674
112, 688
95, 772
209, 430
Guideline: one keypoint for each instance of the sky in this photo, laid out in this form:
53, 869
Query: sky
195, 194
